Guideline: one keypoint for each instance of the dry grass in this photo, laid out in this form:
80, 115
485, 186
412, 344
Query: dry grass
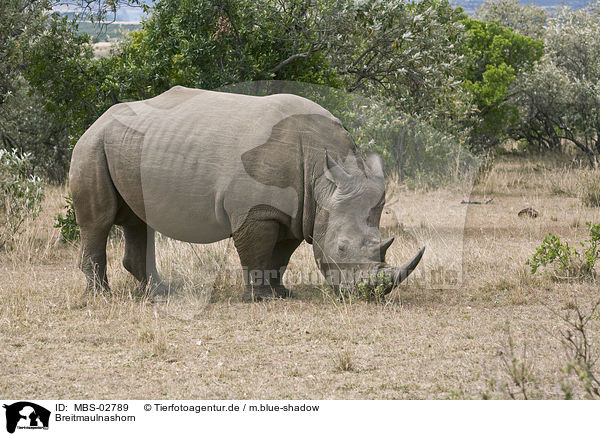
424, 342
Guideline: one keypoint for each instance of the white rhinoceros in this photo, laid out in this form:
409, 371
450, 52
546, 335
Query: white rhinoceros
202, 166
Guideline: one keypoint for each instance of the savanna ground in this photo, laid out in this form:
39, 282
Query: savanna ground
205, 343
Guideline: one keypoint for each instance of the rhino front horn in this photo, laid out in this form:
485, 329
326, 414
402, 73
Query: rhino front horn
404, 271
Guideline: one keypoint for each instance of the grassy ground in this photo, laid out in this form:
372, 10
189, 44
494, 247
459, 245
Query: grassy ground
447, 342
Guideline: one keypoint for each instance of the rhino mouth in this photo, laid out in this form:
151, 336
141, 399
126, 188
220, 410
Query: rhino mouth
345, 278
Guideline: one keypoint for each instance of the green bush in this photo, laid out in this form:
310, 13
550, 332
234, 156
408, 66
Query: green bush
26, 125
373, 289
569, 262
69, 230
21, 194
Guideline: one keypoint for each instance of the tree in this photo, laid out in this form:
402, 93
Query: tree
409, 53
38, 51
207, 44
20, 20
58, 65
560, 99
528, 20
494, 57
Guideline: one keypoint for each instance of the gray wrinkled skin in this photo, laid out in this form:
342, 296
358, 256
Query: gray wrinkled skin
202, 166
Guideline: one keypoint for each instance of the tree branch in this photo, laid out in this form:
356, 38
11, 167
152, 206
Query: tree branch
292, 58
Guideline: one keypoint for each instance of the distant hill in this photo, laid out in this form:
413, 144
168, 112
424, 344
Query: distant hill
470, 6
130, 15
107, 32
125, 14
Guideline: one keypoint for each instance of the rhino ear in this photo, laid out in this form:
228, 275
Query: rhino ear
375, 164
334, 171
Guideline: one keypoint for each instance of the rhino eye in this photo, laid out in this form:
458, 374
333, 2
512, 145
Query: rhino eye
374, 216
342, 247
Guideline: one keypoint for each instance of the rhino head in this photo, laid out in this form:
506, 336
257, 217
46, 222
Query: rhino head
347, 243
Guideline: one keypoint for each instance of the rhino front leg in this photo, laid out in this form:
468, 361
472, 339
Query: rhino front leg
139, 258
281, 257
255, 241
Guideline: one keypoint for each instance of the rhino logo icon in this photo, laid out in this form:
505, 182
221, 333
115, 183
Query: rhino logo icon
24, 414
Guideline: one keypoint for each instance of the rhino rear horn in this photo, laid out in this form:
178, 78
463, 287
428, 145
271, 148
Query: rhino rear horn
383, 247
335, 172
375, 164
404, 271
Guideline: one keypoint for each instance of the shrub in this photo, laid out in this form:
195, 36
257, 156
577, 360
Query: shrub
373, 289
69, 230
21, 194
580, 347
26, 125
570, 262
577, 332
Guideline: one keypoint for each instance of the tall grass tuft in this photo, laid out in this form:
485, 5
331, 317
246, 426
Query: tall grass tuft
589, 191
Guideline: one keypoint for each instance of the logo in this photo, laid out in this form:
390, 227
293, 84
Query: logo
26, 415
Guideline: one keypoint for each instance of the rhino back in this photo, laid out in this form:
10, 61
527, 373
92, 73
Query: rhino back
193, 163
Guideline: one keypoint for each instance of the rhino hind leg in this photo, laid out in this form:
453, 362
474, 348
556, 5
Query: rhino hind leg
139, 258
95, 201
93, 258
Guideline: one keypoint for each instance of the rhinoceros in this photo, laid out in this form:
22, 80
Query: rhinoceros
202, 166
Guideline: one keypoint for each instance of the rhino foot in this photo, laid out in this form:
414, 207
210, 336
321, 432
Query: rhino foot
158, 291
263, 293
283, 292
95, 287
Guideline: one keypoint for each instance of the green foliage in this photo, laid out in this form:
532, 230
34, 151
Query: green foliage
69, 230
413, 151
408, 53
20, 20
475, 83
495, 55
592, 252
528, 20
568, 260
373, 289
42, 70
21, 195
552, 250
58, 62
24, 123
405, 52
559, 101
211, 43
